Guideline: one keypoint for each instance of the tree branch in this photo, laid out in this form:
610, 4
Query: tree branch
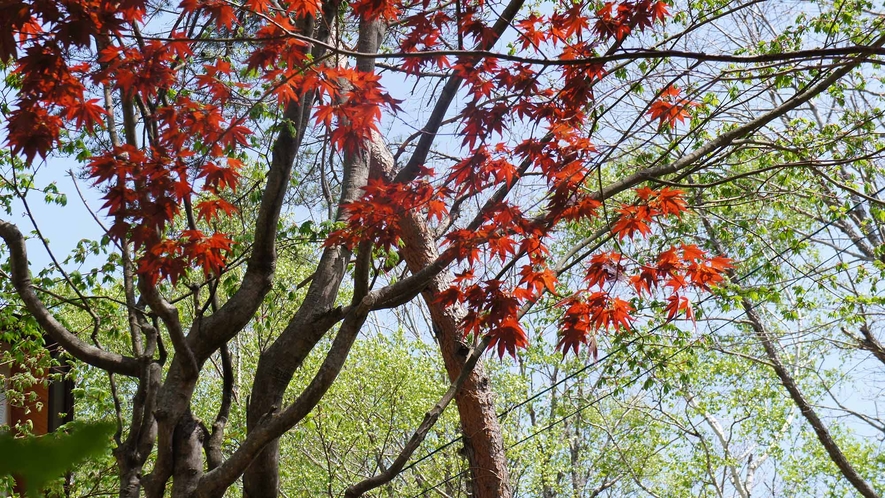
820, 429
275, 424
430, 418
728, 137
21, 279
212, 443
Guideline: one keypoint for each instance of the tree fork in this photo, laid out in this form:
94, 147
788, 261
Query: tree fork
475, 401
279, 363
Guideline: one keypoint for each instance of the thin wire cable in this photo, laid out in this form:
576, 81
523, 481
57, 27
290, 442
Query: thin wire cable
534, 396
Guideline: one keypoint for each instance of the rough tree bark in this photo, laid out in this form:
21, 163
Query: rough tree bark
483, 443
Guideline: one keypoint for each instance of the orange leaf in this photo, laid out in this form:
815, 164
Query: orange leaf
677, 303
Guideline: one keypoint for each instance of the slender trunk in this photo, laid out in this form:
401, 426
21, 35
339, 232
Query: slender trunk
483, 444
132, 453
820, 429
808, 412
215, 436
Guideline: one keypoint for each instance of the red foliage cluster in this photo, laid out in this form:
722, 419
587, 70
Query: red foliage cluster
376, 216
670, 108
637, 217
194, 153
618, 20
676, 269
354, 106
595, 307
195, 149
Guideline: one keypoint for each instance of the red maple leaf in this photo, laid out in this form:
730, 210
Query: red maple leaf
677, 304
633, 220
669, 108
692, 252
32, 131
208, 209
508, 336
86, 114
670, 202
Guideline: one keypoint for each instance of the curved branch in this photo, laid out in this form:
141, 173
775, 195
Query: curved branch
867, 52
212, 444
728, 137
169, 314
21, 279
716, 427
274, 424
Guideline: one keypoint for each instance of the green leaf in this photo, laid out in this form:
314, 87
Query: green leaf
40, 459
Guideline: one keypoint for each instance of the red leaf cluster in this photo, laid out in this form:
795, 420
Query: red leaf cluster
50, 92
354, 110
670, 108
619, 19
584, 316
493, 309
637, 218
141, 71
171, 258
388, 10
197, 135
596, 308
376, 215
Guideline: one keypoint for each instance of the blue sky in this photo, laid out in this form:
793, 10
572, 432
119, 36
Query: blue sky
63, 226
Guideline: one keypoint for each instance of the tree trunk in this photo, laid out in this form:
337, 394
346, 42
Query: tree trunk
820, 429
188, 457
130, 480
483, 444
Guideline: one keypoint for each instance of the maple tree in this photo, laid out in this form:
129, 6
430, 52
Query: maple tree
179, 104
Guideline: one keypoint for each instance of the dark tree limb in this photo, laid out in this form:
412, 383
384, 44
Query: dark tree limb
215, 437
286, 354
872, 344
168, 313
274, 424
820, 429
232, 317
83, 351
430, 419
